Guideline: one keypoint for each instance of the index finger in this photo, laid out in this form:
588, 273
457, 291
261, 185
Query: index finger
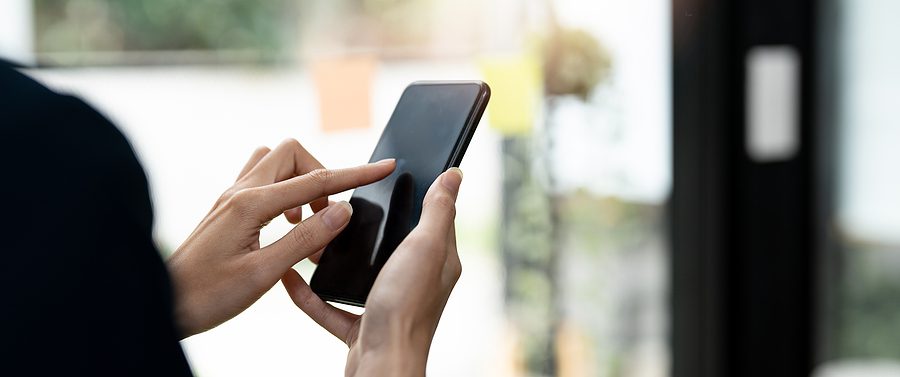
319, 183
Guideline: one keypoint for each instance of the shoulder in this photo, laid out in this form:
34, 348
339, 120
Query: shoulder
82, 222
57, 137
67, 131
30, 110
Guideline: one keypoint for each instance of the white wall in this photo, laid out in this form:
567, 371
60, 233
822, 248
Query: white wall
16, 31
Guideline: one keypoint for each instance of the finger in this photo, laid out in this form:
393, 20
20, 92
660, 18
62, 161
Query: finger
317, 256
339, 323
439, 205
257, 155
276, 198
305, 239
319, 204
289, 159
294, 215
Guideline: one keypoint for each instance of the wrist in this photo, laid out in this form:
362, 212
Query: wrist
186, 323
395, 351
389, 361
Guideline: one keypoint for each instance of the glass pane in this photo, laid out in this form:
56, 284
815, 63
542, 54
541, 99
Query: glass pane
92, 32
866, 329
561, 217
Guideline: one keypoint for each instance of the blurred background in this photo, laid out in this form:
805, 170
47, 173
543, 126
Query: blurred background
564, 222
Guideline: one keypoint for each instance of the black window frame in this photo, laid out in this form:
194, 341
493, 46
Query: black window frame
753, 257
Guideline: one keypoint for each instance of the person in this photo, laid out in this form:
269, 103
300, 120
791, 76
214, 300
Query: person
85, 292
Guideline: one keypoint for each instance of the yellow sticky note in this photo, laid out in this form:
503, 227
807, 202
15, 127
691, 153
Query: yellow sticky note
344, 90
515, 82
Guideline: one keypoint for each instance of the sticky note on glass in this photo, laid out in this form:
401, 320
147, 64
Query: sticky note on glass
344, 89
515, 82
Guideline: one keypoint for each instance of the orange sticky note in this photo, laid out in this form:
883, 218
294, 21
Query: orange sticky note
344, 90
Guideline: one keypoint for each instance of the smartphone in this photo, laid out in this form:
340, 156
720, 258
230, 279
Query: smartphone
427, 134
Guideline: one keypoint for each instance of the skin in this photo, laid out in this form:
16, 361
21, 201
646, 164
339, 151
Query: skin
394, 334
220, 270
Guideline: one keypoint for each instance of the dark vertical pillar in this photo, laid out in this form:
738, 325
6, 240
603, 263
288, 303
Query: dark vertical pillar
743, 231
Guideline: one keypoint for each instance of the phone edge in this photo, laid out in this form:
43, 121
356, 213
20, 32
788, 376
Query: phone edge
472, 121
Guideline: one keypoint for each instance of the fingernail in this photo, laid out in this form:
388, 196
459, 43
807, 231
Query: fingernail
457, 171
337, 214
386, 161
453, 180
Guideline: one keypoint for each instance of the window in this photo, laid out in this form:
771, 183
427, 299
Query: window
197, 85
865, 326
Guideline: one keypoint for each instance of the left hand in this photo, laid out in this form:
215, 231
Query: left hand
220, 270
393, 336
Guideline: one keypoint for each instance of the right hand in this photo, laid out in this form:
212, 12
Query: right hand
394, 334
221, 269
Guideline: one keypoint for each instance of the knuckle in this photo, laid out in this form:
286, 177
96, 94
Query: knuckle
243, 196
262, 150
320, 177
452, 269
303, 236
291, 143
226, 195
243, 201
456, 270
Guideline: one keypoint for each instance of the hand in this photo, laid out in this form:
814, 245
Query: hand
220, 270
394, 334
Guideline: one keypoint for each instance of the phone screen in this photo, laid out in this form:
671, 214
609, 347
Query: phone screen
426, 134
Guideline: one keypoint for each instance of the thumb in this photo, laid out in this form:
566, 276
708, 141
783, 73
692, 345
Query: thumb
439, 205
305, 239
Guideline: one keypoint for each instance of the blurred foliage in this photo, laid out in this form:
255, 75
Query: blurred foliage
530, 290
536, 215
592, 226
869, 320
610, 248
397, 22
384, 26
608, 223
574, 63
138, 25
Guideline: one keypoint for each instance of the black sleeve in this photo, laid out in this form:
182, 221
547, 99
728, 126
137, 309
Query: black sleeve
84, 290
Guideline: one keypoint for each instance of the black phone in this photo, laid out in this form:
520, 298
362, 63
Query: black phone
427, 134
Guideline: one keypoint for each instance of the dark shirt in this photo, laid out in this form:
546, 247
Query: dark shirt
84, 290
